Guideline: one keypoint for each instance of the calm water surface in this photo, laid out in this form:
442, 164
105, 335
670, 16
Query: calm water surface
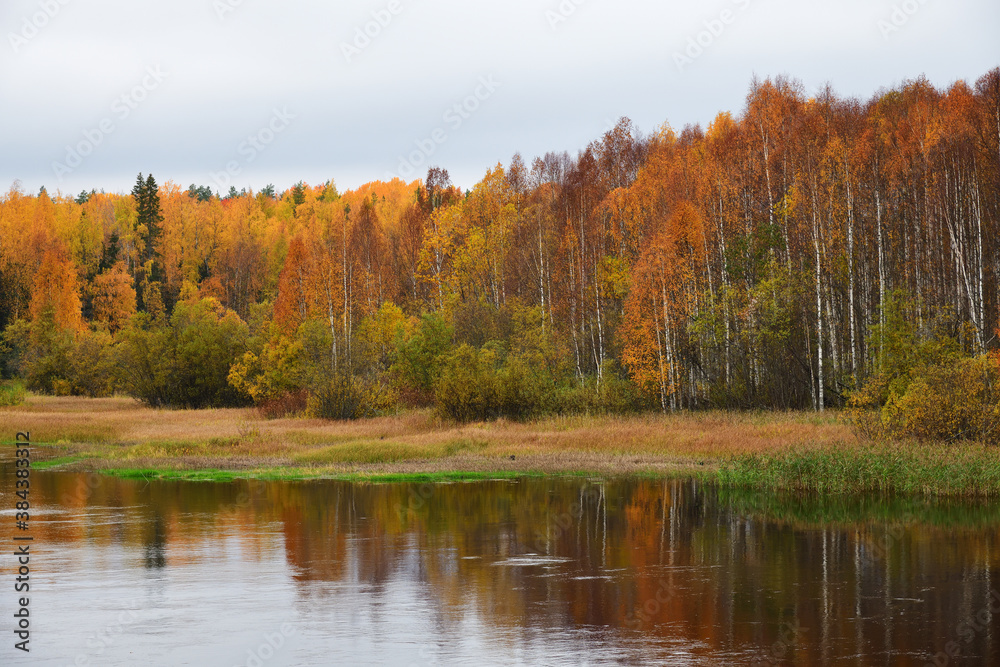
536, 572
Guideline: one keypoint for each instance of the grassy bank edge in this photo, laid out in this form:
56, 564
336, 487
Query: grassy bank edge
435, 477
970, 471
967, 470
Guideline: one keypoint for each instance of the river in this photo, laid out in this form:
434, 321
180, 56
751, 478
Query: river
560, 571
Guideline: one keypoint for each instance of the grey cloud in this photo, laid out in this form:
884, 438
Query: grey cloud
563, 78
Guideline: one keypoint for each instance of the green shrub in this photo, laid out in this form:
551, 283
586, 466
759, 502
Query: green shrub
345, 396
184, 363
524, 388
610, 394
93, 371
47, 362
925, 385
419, 357
11, 394
467, 388
949, 403
61, 362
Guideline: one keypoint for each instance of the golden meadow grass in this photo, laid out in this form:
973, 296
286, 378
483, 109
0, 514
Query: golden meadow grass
778, 451
117, 432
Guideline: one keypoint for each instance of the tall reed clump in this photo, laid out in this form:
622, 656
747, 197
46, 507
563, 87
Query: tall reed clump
958, 470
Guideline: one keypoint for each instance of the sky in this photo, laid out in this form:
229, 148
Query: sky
247, 93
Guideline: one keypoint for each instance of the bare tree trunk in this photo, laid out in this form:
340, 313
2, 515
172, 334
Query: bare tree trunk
850, 274
821, 406
881, 271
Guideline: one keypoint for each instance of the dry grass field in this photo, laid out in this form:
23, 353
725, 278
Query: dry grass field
120, 433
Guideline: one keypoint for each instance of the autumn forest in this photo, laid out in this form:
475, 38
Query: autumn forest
780, 258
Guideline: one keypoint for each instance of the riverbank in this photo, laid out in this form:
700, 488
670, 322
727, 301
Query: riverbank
779, 451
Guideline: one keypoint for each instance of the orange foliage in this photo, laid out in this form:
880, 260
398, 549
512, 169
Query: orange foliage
55, 292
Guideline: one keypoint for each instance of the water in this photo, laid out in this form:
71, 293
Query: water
535, 572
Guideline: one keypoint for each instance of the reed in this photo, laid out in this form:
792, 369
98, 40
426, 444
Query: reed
966, 469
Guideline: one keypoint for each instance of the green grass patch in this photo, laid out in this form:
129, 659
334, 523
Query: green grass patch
56, 462
207, 475
944, 470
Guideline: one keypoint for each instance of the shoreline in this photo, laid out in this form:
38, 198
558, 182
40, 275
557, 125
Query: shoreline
779, 452
453, 469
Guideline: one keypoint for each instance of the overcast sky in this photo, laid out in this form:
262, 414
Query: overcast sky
251, 92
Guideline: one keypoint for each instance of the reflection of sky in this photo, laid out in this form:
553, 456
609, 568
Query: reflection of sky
213, 603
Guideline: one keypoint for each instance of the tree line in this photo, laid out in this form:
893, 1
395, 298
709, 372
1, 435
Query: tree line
755, 263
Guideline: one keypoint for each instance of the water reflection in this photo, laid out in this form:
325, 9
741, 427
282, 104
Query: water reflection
154, 549
561, 571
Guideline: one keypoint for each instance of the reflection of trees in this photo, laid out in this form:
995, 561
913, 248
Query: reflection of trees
154, 551
670, 561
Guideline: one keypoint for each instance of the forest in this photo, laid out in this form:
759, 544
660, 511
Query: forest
810, 252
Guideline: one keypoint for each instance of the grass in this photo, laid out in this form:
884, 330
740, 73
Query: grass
58, 462
779, 452
301, 474
894, 469
121, 434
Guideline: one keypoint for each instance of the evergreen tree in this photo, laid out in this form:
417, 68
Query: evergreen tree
148, 216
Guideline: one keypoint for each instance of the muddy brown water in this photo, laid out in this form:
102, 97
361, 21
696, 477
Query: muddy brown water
561, 571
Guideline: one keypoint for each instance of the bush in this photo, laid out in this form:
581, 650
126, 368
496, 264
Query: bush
270, 374
949, 403
944, 402
185, 363
475, 385
418, 358
524, 388
345, 397
93, 371
290, 403
61, 362
926, 386
11, 394
612, 395
47, 361
467, 388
